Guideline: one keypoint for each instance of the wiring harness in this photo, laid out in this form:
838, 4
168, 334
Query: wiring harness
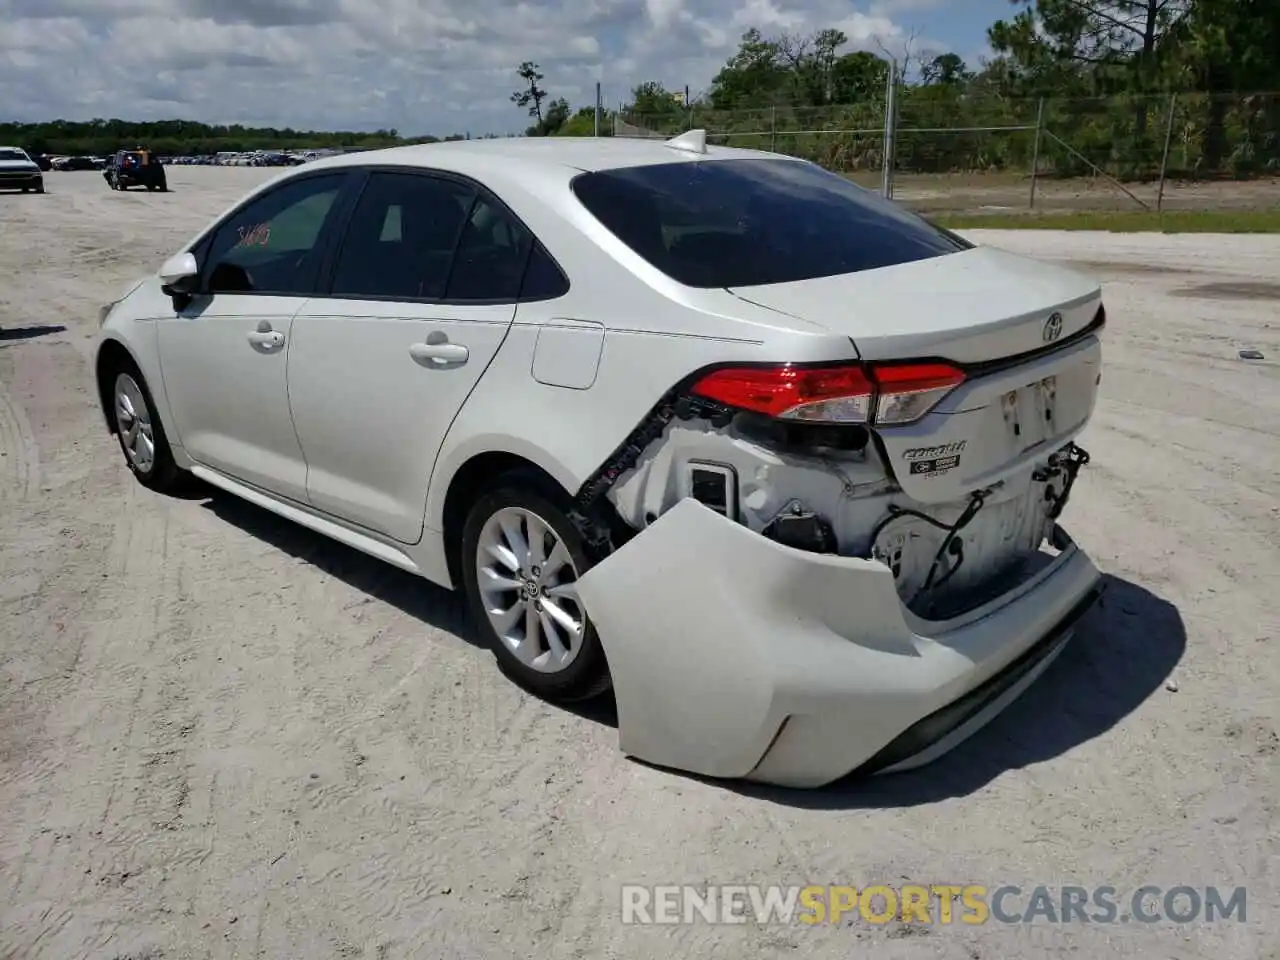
1065, 464
950, 543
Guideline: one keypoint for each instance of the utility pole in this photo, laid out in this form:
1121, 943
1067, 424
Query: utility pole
890, 128
1035, 154
1164, 159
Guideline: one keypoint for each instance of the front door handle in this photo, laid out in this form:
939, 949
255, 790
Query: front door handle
264, 338
267, 339
440, 354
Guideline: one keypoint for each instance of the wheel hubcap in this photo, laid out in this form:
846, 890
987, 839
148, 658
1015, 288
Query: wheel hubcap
528, 583
134, 423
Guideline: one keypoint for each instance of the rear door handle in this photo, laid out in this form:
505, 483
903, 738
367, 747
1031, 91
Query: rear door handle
439, 354
270, 339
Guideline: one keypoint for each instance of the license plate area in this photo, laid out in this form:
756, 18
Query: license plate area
1029, 413
995, 426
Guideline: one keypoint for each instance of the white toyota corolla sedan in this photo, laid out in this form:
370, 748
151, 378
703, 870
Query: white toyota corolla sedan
775, 459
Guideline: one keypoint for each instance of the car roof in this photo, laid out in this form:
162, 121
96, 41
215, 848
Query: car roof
576, 153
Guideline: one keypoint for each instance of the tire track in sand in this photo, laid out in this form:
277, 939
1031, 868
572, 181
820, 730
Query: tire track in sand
145, 642
132, 697
100, 670
19, 457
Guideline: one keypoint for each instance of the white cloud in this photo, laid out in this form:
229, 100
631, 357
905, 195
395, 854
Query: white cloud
422, 66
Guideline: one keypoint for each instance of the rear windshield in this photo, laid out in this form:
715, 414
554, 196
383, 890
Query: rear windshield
734, 223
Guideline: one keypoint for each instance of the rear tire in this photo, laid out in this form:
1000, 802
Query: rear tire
139, 430
520, 555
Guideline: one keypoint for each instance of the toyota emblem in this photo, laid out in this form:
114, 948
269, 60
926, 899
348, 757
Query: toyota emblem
1053, 328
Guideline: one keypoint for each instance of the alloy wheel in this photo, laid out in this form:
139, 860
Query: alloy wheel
528, 585
133, 421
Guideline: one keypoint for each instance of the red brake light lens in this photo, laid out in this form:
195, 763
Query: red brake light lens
830, 394
895, 393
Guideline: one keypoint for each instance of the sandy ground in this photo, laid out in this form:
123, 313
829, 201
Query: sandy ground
223, 736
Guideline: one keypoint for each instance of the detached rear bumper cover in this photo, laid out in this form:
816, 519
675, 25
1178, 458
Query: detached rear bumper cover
734, 656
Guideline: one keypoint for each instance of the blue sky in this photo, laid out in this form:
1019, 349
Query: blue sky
420, 66
963, 23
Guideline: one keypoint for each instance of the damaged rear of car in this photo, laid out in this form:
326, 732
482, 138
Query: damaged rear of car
853, 564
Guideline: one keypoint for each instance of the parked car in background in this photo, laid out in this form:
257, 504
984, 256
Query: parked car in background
19, 172
775, 458
77, 163
135, 168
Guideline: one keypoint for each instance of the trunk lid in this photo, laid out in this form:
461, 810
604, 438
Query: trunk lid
1024, 331
997, 425
968, 307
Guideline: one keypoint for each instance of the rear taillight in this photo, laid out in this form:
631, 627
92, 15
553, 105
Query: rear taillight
906, 392
793, 392
890, 394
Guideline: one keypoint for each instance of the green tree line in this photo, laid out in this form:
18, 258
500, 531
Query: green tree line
186, 137
1075, 85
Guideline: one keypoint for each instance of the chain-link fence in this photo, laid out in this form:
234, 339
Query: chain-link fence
953, 151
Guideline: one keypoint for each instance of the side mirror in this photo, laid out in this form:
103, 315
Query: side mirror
179, 278
178, 271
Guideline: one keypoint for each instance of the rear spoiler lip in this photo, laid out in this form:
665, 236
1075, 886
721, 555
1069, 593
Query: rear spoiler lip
985, 367
982, 368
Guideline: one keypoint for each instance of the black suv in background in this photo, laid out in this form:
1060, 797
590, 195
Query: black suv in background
135, 168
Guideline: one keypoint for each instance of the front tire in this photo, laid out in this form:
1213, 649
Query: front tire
521, 556
140, 432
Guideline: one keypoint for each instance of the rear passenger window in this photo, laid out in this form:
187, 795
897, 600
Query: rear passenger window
391, 226
491, 256
542, 278
402, 236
